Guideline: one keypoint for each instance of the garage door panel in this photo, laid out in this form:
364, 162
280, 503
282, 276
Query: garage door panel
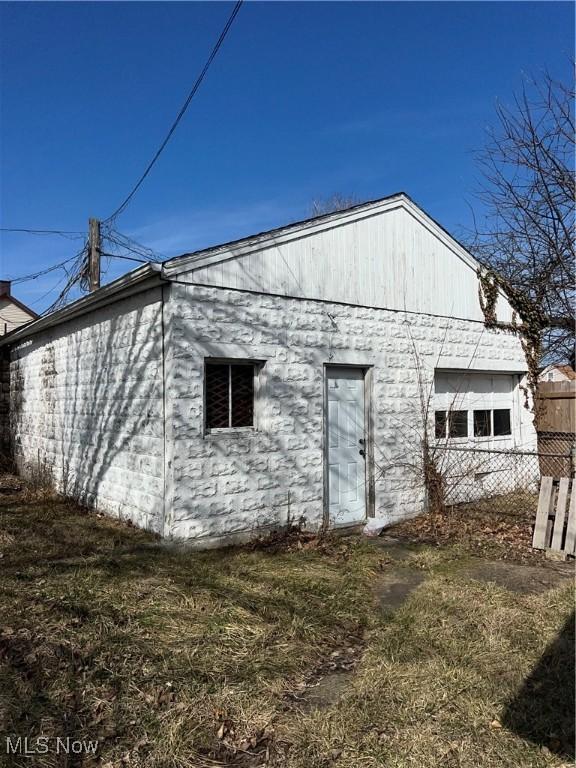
473, 392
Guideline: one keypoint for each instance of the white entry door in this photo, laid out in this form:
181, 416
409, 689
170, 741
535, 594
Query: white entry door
346, 445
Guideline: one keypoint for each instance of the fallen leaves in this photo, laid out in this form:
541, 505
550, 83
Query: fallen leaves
481, 529
242, 747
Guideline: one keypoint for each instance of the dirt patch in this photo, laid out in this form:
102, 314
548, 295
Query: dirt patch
295, 539
393, 589
326, 692
324, 687
393, 549
522, 579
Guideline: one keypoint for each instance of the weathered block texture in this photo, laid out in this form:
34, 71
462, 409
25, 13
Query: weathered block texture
113, 406
87, 407
227, 484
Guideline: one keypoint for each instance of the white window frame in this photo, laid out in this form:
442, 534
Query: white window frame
459, 402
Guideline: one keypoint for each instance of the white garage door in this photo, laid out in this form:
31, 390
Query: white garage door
474, 405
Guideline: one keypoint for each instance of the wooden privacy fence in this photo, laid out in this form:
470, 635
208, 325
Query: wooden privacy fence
555, 526
556, 423
555, 406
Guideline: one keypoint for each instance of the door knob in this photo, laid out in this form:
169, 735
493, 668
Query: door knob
362, 452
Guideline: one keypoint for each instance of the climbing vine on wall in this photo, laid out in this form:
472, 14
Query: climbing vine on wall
527, 323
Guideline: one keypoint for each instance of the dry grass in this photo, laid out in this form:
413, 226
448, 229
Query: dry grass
487, 527
174, 659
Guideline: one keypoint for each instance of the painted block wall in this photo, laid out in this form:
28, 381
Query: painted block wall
88, 399
228, 485
5, 439
87, 407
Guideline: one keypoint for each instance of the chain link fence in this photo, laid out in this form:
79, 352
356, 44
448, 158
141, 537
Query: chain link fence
503, 481
557, 452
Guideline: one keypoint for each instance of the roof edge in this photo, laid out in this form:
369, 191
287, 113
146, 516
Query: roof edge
126, 284
246, 245
114, 291
259, 240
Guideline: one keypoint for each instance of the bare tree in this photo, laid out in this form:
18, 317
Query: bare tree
332, 204
528, 190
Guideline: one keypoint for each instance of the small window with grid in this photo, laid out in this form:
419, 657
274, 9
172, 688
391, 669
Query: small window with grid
229, 395
492, 423
450, 424
502, 422
482, 423
458, 424
440, 422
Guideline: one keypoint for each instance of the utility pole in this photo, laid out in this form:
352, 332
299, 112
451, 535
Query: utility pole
94, 255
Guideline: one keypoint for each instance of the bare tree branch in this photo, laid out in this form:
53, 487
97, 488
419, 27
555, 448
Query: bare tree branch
528, 189
333, 204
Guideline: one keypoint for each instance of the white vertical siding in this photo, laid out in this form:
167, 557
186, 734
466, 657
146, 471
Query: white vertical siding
394, 259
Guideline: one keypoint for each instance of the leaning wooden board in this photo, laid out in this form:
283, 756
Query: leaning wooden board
543, 513
551, 531
570, 546
561, 499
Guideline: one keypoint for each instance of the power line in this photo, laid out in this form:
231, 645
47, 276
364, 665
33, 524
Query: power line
28, 231
48, 292
40, 273
180, 115
78, 272
78, 275
73, 275
128, 243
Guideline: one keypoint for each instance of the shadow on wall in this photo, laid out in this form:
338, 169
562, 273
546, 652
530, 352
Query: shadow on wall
87, 403
100, 425
228, 486
543, 710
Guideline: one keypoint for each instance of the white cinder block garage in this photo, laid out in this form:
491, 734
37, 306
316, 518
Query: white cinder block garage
274, 378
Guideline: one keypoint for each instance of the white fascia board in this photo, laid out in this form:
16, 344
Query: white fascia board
229, 251
446, 239
265, 240
441, 234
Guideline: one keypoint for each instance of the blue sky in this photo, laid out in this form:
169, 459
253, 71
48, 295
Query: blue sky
304, 100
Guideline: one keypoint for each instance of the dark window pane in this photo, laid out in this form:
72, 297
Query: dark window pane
242, 395
217, 400
502, 421
440, 425
481, 423
458, 424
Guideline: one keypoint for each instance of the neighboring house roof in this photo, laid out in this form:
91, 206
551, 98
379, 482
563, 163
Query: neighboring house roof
565, 370
13, 312
154, 273
22, 306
